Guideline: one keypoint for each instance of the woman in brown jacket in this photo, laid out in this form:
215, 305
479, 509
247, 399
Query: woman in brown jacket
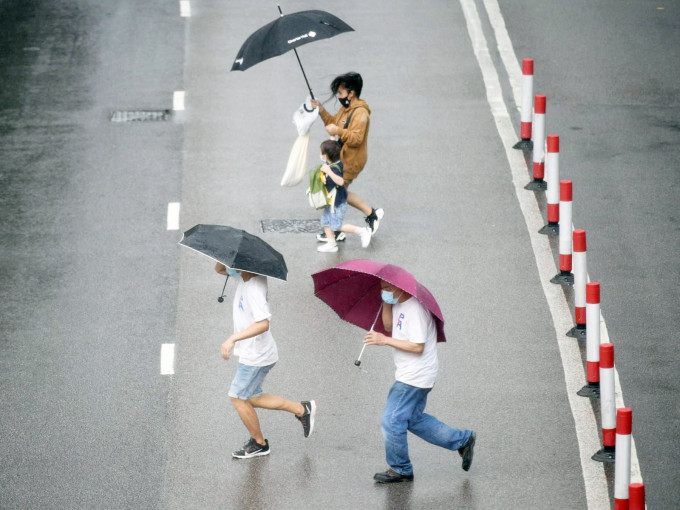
350, 124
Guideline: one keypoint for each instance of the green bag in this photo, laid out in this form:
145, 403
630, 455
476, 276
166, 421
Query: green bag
317, 194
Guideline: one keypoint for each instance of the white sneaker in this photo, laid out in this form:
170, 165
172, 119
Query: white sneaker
374, 219
365, 237
328, 248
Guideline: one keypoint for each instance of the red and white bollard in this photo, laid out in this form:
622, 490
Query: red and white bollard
624, 428
552, 175
636, 496
527, 106
538, 184
580, 280
565, 276
592, 388
607, 405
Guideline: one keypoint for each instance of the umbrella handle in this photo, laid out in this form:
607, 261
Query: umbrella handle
358, 361
221, 298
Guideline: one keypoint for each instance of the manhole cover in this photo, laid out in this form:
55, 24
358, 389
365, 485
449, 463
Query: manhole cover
140, 115
292, 226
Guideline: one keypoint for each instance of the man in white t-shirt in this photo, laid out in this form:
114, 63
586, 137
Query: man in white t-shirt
254, 344
414, 348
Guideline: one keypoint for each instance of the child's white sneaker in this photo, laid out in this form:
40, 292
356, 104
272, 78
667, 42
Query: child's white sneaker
328, 248
365, 237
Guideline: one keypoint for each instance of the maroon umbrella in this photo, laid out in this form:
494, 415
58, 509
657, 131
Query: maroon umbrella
352, 289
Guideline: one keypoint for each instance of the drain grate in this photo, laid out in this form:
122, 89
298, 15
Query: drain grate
140, 115
291, 226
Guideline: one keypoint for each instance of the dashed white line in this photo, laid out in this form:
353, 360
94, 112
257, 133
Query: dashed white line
167, 359
178, 100
173, 216
185, 8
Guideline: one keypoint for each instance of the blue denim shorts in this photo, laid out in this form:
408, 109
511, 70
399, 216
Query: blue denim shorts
248, 381
334, 220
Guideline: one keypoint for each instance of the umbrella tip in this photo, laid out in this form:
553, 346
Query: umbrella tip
357, 363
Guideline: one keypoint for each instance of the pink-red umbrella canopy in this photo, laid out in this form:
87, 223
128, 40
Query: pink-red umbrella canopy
352, 289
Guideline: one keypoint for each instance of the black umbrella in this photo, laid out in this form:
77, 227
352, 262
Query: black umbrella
287, 33
236, 249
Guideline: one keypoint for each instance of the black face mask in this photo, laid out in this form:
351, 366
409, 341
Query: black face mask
344, 101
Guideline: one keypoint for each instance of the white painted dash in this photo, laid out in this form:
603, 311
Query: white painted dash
178, 100
173, 216
185, 9
167, 359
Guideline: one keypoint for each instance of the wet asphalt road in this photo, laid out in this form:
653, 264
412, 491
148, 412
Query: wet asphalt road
92, 283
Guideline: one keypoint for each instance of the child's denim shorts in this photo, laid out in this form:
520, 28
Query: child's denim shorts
334, 220
248, 381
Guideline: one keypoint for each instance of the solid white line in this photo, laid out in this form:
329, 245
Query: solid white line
178, 100
173, 216
185, 8
595, 483
167, 359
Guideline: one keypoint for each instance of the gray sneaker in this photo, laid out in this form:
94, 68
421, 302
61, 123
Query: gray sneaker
252, 449
307, 419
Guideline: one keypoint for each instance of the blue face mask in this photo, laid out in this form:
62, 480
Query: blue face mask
388, 297
233, 272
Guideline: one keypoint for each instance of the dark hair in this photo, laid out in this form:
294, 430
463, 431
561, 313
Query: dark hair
351, 81
331, 148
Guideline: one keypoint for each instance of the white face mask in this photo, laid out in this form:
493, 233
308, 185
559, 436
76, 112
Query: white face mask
323, 159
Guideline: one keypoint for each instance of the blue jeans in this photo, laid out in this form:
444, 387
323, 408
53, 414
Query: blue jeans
404, 411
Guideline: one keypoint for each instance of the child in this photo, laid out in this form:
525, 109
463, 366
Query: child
334, 214
253, 343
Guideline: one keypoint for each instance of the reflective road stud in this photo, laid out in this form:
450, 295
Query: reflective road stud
538, 184
592, 388
624, 427
565, 276
527, 95
607, 405
552, 175
580, 279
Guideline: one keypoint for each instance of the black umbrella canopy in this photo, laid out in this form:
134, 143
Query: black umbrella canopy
236, 249
287, 33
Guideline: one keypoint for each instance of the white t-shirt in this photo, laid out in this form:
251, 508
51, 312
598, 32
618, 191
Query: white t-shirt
251, 304
413, 322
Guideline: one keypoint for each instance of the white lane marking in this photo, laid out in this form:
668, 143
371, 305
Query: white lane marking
506, 50
167, 359
595, 483
173, 216
178, 100
512, 67
185, 8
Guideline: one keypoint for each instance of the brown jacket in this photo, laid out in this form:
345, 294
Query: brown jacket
354, 138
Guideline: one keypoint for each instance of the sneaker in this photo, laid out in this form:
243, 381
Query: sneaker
339, 237
390, 476
374, 218
252, 449
365, 237
307, 419
328, 248
467, 452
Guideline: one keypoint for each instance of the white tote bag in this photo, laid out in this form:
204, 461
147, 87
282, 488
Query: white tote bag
297, 161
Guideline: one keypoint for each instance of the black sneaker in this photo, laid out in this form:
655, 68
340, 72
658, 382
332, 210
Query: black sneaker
307, 419
374, 218
252, 449
390, 476
339, 237
467, 452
